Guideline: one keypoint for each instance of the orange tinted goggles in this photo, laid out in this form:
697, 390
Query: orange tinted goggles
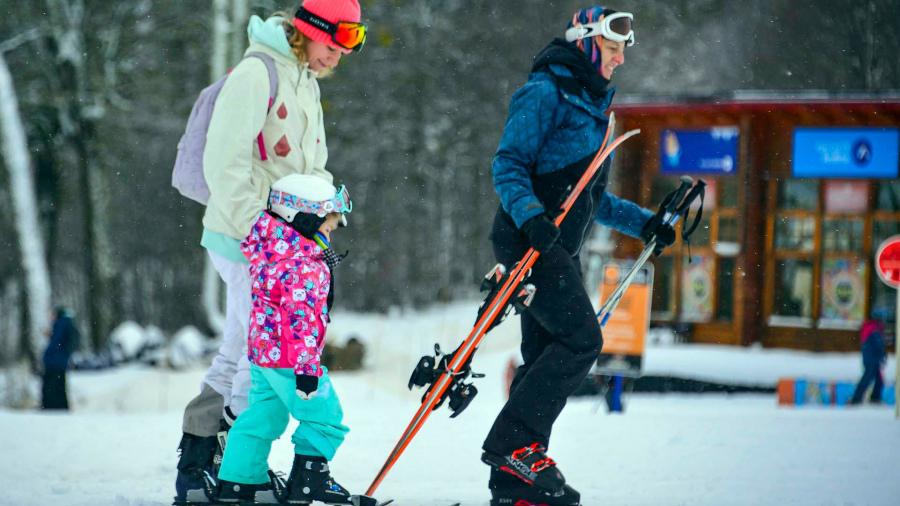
346, 34
349, 35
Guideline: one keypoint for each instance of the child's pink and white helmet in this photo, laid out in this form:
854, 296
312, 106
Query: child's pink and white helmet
302, 193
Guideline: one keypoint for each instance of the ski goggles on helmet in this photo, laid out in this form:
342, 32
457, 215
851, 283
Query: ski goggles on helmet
616, 26
349, 35
340, 203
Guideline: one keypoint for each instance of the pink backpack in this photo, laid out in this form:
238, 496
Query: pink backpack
187, 175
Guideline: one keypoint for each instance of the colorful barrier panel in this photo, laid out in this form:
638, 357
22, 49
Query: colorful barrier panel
802, 391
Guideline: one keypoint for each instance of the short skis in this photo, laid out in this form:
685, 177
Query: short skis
277, 503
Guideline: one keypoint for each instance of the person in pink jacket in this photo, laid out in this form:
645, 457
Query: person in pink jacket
290, 269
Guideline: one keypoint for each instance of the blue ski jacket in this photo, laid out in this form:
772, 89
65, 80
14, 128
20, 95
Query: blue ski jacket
63, 341
548, 130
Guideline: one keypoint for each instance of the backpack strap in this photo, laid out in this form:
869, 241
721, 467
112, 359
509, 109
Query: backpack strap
273, 91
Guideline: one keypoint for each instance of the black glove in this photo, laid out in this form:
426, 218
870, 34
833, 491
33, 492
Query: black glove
542, 233
307, 386
330, 299
655, 228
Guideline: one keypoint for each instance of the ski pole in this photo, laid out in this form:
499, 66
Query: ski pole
673, 206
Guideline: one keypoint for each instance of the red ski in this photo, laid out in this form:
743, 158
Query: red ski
505, 290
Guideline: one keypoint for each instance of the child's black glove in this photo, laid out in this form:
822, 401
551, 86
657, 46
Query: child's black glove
655, 228
542, 233
307, 386
329, 301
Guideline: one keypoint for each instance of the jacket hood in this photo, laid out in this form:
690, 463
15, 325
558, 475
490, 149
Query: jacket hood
870, 327
272, 240
582, 74
270, 33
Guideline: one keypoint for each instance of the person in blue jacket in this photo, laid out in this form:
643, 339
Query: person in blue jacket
63, 341
556, 124
871, 339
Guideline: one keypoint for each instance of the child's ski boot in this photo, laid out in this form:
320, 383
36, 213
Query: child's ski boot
529, 464
311, 480
227, 492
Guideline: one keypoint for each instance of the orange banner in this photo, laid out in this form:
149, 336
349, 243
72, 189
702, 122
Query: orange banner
626, 329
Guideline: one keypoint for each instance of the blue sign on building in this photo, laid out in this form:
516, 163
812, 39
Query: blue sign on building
713, 151
846, 152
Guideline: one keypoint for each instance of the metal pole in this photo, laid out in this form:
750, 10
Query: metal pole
897, 357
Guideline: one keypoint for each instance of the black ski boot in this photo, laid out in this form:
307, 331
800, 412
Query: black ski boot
528, 495
229, 492
196, 473
529, 464
311, 480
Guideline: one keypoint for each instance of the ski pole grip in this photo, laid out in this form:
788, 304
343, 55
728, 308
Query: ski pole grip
696, 191
670, 203
686, 183
699, 190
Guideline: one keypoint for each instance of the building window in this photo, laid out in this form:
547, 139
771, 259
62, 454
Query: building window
663, 288
703, 282
725, 290
842, 235
728, 230
798, 194
795, 233
888, 197
793, 292
794, 253
822, 249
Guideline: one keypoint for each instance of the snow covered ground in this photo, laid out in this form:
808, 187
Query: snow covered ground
117, 447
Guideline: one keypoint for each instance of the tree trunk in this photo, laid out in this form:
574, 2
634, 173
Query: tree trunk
212, 284
80, 111
18, 163
99, 266
220, 27
239, 16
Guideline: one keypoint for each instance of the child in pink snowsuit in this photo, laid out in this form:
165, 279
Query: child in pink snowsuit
290, 269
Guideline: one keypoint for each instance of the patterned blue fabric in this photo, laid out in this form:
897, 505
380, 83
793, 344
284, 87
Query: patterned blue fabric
546, 130
590, 45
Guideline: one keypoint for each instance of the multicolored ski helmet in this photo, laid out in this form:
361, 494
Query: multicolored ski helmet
587, 25
302, 193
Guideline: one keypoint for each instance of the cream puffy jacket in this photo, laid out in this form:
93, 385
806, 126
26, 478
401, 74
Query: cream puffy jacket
293, 129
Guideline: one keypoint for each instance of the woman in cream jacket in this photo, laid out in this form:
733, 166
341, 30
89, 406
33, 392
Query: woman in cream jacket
239, 175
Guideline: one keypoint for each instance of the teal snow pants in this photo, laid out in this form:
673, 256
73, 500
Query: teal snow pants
272, 399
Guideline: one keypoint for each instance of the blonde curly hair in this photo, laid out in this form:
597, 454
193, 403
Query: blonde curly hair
297, 40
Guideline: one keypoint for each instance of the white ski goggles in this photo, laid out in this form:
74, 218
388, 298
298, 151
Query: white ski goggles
616, 27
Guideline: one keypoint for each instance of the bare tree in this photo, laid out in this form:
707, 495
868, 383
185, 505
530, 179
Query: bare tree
80, 105
221, 54
31, 245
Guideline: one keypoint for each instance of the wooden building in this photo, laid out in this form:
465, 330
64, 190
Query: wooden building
784, 255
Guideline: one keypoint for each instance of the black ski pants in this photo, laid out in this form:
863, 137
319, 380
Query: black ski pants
53, 390
560, 342
871, 373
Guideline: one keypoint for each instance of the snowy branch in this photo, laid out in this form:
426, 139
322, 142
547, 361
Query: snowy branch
18, 40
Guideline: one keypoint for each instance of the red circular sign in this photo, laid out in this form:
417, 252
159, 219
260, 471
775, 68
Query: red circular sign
887, 261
